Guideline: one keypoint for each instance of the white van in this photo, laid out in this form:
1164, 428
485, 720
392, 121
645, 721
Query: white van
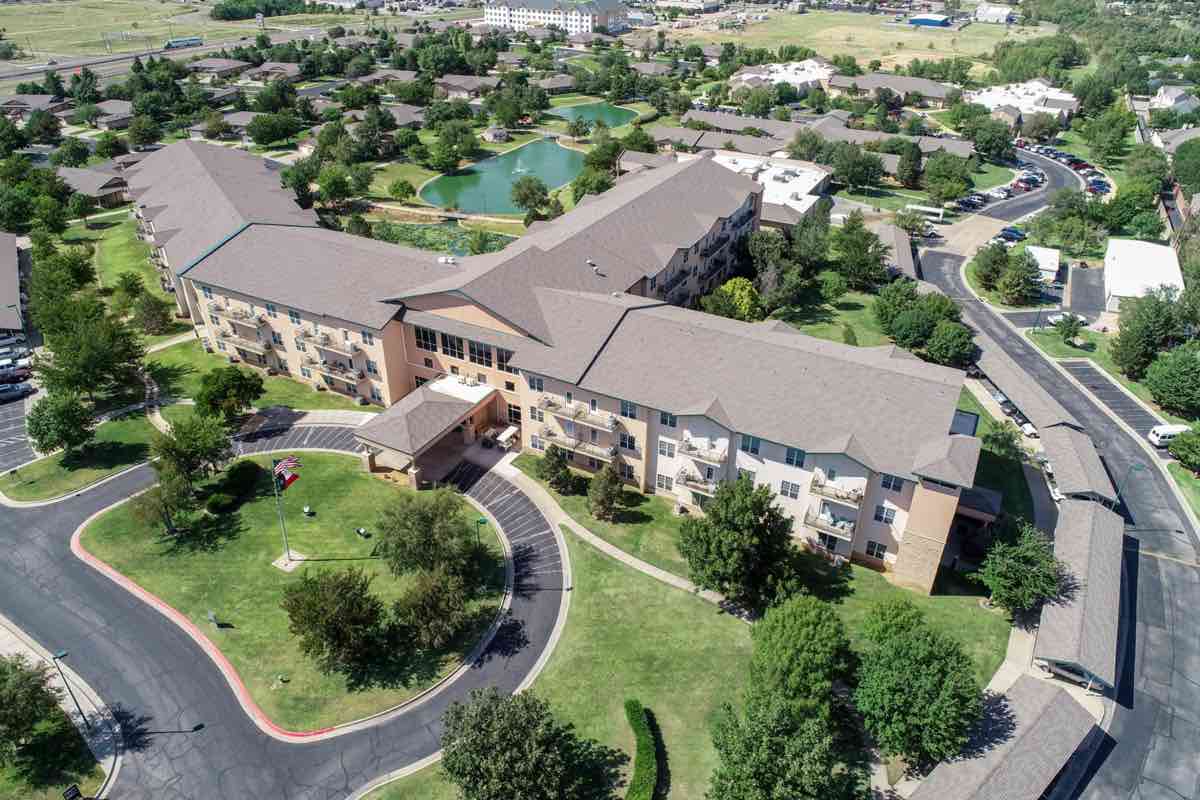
1161, 435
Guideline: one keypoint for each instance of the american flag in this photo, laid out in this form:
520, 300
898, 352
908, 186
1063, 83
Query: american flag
286, 464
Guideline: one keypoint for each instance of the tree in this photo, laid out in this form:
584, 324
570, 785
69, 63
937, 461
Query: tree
228, 391
1068, 327
71, 153
554, 470
1148, 325
833, 286
501, 747
334, 616
637, 139
529, 193
60, 421
1147, 226
946, 176
1173, 379
267, 128
109, 145
1186, 448
1149, 164
740, 545
590, 181
1040, 126
143, 130
1004, 440
12, 138
888, 618
993, 140
401, 190
917, 695
604, 492
165, 502
892, 300
1021, 573
908, 171
92, 352
736, 298
152, 313
195, 446
951, 344
776, 752
912, 328
858, 253
1021, 283
26, 699
424, 532
81, 206
42, 127
578, 128
333, 182
433, 608
911, 222
800, 651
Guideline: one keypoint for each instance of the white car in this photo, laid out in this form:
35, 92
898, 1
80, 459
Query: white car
1030, 431
1054, 319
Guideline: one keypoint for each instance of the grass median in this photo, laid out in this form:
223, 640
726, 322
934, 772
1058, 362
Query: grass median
225, 567
118, 444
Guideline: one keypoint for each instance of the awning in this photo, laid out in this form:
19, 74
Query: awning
509, 432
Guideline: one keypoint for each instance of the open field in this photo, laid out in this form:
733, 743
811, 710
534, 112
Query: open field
865, 36
225, 566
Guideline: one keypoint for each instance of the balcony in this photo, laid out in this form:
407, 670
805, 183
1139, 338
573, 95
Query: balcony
238, 315
716, 246
823, 487
576, 445
694, 482
578, 412
705, 453
335, 369
242, 343
841, 527
676, 278
326, 342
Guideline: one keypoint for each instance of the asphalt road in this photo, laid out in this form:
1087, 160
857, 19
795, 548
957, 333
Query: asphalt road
1154, 738
161, 685
1022, 205
14, 443
1116, 400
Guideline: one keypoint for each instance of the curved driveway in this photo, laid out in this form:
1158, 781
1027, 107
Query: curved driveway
161, 685
1153, 746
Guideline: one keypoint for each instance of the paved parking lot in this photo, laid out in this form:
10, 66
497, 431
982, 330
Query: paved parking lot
1102, 388
14, 444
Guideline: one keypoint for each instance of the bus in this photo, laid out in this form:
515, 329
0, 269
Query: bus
183, 41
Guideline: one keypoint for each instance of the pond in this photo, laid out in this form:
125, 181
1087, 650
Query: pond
485, 186
610, 115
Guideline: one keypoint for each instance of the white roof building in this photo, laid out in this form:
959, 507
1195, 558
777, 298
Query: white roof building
790, 188
1030, 97
1175, 98
985, 12
1133, 268
804, 75
1048, 260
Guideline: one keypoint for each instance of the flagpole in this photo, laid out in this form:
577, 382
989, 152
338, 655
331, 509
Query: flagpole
287, 550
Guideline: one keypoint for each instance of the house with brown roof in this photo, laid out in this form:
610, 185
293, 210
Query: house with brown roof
274, 71
237, 121
562, 337
107, 188
20, 106
557, 84
382, 76
920, 90
465, 87
209, 68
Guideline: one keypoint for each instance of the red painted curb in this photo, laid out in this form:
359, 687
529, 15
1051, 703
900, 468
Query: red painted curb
206, 644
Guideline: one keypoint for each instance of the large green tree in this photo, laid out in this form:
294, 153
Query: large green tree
1021, 571
858, 253
60, 421
335, 617
195, 445
1148, 325
26, 699
801, 650
424, 531
1173, 379
228, 391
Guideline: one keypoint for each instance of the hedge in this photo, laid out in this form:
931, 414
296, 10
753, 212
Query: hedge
644, 780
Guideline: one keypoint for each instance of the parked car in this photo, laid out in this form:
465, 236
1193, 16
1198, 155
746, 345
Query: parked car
15, 375
1054, 319
1030, 431
15, 391
1161, 435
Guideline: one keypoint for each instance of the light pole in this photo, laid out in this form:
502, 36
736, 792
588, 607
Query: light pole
61, 654
479, 523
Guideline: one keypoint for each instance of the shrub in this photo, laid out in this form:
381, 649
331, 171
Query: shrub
241, 479
912, 328
644, 779
220, 502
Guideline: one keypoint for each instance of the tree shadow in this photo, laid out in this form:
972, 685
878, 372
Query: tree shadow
135, 735
204, 533
629, 509
395, 663
106, 455
823, 579
510, 639
169, 377
55, 754
996, 726
597, 767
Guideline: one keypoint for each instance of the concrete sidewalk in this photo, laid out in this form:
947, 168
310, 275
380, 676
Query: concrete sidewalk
101, 730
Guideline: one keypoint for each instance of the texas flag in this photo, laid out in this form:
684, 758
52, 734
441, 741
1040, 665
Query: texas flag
284, 476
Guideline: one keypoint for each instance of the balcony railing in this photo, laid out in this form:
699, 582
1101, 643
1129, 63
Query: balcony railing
242, 343
713, 248
694, 482
577, 445
335, 369
579, 413
327, 342
676, 278
705, 453
840, 527
238, 315
851, 497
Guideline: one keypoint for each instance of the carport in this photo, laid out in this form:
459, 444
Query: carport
1075, 465
425, 435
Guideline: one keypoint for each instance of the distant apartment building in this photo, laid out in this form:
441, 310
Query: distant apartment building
572, 17
803, 76
912, 90
695, 6
1031, 97
576, 335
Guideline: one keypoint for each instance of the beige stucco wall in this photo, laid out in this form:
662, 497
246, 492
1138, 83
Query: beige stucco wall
457, 308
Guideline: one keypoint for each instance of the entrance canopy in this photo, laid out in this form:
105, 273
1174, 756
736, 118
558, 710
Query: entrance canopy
424, 416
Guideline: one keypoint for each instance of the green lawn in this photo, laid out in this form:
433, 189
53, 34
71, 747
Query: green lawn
1095, 347
1189, 483
573, 99
178, 368
413, 173
226, 567
990, 176
52, 760
887, 198
994, 472
118, 444
826, 321
177, 411
627, 635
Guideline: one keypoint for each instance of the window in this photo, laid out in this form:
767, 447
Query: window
300, 346
593, 406
479, 376
568, 427
213, 319
372, 367
535, 383
891, 482
594, 435
536, 414
276, 338
429, 363
420, 381
509, 386
789, 489
876, 550
272, 311
570, 455
885, 514
514, 414
453, 370
666, 419
452, 346
536, 443
827, 541
481, 354
750, 444
305, 372
368, 337
746, 473
593, 463
207, 292
831, 473
503, 357
666, 448
628, 409
375, 394
628, 441
794, 458
664, 482
220, 345
293, 316
426, 339
627, 471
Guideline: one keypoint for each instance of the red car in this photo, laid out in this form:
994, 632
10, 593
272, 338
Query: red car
15, 375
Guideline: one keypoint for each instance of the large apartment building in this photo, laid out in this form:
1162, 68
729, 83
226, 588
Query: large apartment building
572, 16
576, 335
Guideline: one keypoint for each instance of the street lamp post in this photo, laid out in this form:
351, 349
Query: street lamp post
480, 522
61, 654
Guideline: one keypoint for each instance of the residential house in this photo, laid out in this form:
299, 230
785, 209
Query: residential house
465, 87
382, 76
18, 107
656, 69
557, 84
209, 68
273, 71
237, 121
915, 91
114, 114
1174, 98
107, 188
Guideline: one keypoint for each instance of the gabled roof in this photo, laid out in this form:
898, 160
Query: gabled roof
29, 102
90, 182
951, 460
217, 64
415, 421
900, 84
10, 283
1076, 464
